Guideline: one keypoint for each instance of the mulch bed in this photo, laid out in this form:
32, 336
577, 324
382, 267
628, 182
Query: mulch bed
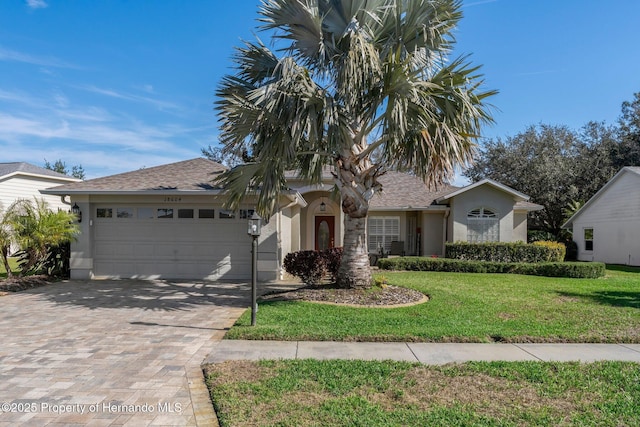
16, 284
384, 296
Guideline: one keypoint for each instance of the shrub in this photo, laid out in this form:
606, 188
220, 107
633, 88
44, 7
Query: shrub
556, 250
590, 270
306, 265
312, 266
332, 258
506, 252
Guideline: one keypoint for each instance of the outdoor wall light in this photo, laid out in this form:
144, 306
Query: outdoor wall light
75, 209
323, 206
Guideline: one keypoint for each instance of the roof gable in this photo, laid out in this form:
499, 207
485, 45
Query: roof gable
9, 169
634, 170
189, 175
518, 196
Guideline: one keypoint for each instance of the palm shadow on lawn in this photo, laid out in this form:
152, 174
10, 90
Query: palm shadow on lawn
153, 295
611, 298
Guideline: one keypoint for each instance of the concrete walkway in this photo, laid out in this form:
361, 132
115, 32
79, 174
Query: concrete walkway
112, 353
427, 353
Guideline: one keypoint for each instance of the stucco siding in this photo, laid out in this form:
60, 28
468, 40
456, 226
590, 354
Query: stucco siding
483, 197
519, 226
432, 234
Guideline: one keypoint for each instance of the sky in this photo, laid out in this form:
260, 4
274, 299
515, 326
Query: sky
119, 85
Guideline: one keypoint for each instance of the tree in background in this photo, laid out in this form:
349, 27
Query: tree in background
355, 77
217, 154
627, 153
559, 168
552, 164
61, 167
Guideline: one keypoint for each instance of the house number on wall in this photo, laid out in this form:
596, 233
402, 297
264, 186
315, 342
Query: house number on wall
173, 199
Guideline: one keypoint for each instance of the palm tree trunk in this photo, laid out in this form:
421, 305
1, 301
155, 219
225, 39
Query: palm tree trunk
5, 260
354, 271
357, 184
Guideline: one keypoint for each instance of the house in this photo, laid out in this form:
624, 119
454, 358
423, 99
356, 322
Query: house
168, 222
607, 227
20, 180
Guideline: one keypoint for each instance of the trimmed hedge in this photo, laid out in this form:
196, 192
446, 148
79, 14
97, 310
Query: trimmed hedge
542, 251
312, 266
588, 270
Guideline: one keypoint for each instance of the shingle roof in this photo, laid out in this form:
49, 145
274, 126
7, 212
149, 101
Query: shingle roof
27, 168
401, 190
189, 175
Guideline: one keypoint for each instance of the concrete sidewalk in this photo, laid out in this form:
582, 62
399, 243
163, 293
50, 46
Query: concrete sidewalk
427, 353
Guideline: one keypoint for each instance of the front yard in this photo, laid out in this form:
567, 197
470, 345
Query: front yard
465, 307
357, 393
462, 308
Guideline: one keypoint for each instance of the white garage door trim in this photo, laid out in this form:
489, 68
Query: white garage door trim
169, 241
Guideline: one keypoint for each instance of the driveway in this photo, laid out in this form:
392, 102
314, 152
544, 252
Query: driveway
107, 353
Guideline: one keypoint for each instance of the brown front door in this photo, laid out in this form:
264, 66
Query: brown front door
325, 232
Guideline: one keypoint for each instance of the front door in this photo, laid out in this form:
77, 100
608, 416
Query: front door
325, 232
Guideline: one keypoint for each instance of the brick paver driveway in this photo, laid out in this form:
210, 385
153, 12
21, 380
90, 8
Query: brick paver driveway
108, 353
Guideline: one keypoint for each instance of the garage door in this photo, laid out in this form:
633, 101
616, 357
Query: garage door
169, 242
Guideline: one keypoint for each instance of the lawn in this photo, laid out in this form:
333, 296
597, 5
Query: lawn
467, 307
13, 263
357, 393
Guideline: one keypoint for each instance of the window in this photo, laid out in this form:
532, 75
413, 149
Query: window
165, 212
483, 225
588, 239
381, 231
145, 213
246, 213
185, 213
206, 213
104, 213
124, 212
224, 214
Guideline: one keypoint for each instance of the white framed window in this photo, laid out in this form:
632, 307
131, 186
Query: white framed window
588, 239
483, 225
381, 231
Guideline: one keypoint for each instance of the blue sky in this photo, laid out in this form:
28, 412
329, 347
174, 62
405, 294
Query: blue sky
119, 85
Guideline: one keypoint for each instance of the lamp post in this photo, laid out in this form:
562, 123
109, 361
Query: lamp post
255, 225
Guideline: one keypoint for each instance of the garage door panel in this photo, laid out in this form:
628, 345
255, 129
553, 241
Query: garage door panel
178, 248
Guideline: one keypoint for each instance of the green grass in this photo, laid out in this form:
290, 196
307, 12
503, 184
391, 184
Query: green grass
13, 263
359, 393
467, 307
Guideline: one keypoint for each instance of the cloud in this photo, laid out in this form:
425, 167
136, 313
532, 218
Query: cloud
131, 97
13, 56
37, 4
478, 3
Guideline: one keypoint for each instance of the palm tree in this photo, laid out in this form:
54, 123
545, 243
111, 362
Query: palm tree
6, 240
35, 229
355, 78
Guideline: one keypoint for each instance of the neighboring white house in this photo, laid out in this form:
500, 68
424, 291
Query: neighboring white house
20, 180
168, 222
607, 227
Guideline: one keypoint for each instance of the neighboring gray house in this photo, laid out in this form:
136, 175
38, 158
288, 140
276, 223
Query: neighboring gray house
20, 180
607, 227
168, 222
